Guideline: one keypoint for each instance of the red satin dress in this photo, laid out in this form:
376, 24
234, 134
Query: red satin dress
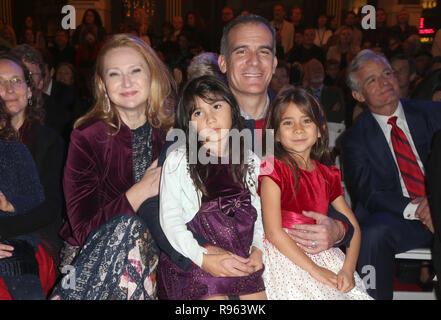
283, 279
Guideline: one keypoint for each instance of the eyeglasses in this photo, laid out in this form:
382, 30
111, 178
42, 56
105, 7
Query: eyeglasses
31, 73
13, 83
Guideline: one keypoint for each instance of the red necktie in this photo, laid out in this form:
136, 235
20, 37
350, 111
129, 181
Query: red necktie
410, 170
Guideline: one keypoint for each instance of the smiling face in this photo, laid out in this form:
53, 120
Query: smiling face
13, 89
213, 121
127, 79
297, 132
378, 87
251, 61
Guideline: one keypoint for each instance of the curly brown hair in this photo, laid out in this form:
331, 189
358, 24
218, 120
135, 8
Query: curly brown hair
7, 132
34, 110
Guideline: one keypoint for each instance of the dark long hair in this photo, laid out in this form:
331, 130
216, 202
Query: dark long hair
34, 111
311, 106
209, 89
7, 132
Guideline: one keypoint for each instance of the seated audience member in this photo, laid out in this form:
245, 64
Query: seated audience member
86, 54
296, 74
412, 45
280, 77
308, 50
111, 170
91, 19
23, 103
424, 88
297, 18
65, 73
322, 33
344, 50
384, 154
30, 31
61, 102
203, 64
434, 189
332, 70
283, 26
7, 37
331, 98
20, 191
178, 25
402, 29
62, 51
394, 47
380, 35
404, 70
350, 21
423, 63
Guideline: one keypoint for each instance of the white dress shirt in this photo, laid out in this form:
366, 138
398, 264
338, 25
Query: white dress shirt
179, 203
409, 211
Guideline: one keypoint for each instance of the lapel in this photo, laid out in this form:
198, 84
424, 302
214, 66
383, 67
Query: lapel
379, 150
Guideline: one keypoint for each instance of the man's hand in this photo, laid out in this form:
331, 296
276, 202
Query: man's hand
423, 212
315, 238
226, 265
255, 259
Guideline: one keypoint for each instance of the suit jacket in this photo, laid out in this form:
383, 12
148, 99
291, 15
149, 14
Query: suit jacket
286, 35
433, 178
98, 172
332, 97
370, 170
60, 106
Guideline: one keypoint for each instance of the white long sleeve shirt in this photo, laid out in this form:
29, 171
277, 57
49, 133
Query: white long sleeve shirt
409, 211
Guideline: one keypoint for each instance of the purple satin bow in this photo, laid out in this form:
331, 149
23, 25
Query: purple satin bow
228, 205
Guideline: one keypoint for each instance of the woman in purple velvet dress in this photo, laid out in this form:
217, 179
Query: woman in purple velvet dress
111, 170
209, 189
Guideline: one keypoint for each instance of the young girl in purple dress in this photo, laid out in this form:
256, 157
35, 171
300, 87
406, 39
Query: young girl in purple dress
296, 179
206, 194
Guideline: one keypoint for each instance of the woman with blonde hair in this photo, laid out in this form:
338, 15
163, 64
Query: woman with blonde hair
111, 170
343, 51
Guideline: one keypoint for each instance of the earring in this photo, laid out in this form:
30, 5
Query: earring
107, 103
30, 101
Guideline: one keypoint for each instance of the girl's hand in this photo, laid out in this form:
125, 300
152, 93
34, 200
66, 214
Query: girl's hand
345, 280
325, 276
226, 265
255, 259
5, 205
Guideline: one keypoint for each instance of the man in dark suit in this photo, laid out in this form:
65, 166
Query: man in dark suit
434, 189
330, 97
62, 51
384, 155
61, 102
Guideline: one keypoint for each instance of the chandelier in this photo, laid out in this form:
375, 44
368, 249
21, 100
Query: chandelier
148, 6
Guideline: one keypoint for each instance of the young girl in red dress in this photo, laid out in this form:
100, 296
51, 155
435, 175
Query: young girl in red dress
299, 178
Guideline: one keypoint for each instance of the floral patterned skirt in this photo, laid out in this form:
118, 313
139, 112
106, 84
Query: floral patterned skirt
117, 262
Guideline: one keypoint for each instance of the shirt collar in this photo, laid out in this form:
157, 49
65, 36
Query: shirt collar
246, 116
49, 88
399, 113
